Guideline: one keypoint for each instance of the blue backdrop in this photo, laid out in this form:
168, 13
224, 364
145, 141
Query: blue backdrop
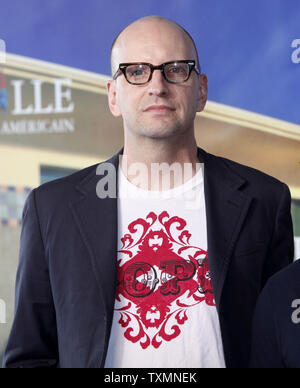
244, 45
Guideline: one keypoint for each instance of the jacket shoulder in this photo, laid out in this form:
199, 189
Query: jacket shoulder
250, 173
57, 194
66, 185
257, 183
66, 182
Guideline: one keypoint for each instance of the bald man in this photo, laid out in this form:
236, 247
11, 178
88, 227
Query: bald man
154, 258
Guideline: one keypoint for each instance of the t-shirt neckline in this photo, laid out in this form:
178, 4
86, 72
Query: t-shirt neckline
191, 184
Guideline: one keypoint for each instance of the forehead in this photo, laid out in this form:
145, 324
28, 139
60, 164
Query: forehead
154, 42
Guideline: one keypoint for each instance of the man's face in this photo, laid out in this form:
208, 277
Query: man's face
157, 109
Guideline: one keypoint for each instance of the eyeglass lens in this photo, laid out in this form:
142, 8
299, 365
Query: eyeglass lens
174, 72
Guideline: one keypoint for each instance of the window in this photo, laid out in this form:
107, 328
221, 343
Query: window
49, 173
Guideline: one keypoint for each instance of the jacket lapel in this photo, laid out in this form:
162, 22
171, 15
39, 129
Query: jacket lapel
226, 210
97, 222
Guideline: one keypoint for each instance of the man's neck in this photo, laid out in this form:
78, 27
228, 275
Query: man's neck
159, 165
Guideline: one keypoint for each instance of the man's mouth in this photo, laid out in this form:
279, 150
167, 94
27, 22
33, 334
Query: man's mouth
159, 108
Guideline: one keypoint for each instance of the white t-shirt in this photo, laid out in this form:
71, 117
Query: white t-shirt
165, 314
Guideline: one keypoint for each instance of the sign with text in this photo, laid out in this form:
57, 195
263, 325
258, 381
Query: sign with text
35, 106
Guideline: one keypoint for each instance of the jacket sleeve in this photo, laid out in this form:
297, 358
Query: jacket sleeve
281, 250
32, 341
265, 346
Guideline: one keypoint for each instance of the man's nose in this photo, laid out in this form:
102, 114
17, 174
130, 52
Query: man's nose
158, 85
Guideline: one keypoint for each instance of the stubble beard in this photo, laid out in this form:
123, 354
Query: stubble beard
160, 130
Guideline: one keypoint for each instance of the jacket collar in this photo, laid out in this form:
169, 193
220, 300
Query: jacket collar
226, 209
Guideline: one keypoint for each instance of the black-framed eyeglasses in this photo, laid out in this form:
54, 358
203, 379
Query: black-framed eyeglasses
139, 73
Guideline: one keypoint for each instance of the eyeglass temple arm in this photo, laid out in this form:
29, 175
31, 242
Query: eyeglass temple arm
117, 74
197, 69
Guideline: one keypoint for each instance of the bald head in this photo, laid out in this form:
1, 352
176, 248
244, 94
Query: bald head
147, 26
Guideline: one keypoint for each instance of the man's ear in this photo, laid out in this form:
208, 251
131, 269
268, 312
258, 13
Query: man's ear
112, 98
203, 89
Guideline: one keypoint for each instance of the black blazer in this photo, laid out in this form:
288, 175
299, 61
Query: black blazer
66, 280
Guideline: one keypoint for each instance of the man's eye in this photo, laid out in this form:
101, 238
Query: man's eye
175, 70
136, 72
